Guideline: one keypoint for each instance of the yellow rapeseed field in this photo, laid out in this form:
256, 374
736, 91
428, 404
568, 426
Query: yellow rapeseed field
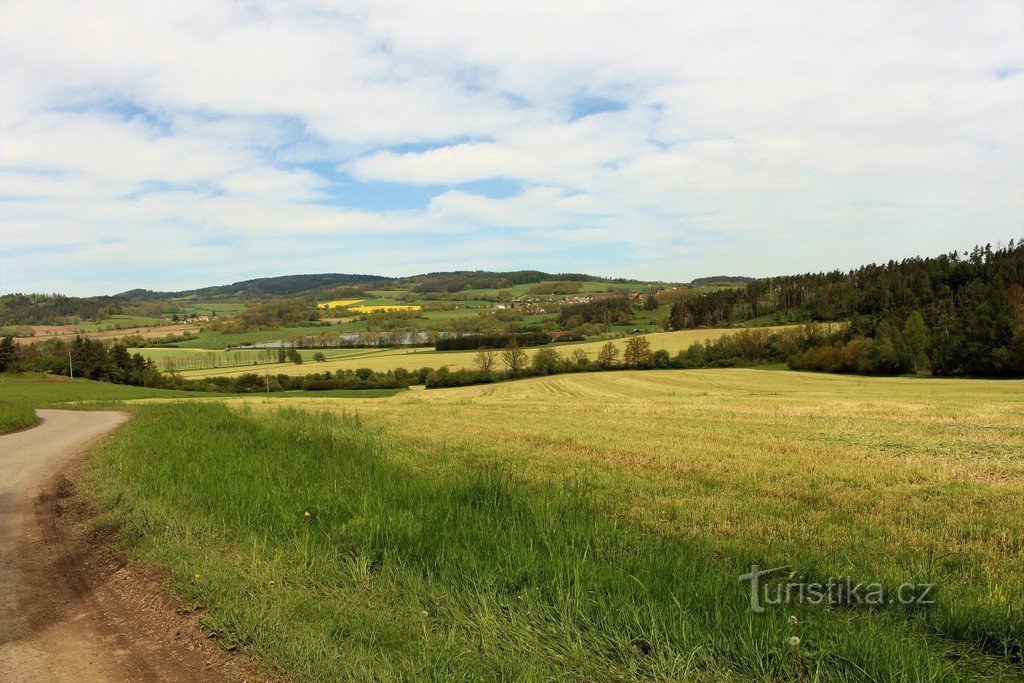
338, 302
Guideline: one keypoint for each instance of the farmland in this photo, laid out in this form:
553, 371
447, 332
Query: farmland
602, 522
410, 358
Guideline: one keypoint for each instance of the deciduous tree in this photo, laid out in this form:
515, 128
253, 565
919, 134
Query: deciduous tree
515, 358
608, 354
638, 353
485, 360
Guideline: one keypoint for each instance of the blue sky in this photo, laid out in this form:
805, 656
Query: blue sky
171, 145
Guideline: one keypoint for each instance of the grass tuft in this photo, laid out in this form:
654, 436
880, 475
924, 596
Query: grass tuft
15, 415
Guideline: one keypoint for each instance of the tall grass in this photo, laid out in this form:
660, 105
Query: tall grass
309, 541
16, 415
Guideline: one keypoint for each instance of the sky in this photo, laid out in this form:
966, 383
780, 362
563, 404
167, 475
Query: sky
170, 145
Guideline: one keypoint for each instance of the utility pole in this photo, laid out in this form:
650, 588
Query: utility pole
71, 368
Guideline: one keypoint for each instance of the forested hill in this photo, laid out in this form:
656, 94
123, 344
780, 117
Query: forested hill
44, 309
264, 287
972, 305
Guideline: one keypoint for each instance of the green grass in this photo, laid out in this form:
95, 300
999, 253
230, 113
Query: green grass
16, 415
120, 322
52, 390
44, 390
332, 551
208, 339
207, 307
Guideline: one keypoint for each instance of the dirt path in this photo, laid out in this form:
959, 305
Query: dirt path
68, 610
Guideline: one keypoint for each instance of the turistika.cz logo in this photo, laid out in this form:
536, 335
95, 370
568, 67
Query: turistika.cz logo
767, 589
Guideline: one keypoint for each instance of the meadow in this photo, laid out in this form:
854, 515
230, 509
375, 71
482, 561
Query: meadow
40, 390
28, 390
414, 358
210, 339
589, 527
15, 415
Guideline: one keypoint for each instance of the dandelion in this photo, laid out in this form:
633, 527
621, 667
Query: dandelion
271, 583
424, 614
794, 641
793, 620
307, 514
198, 576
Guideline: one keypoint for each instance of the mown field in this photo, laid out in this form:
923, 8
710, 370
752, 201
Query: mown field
589, 527
413, 358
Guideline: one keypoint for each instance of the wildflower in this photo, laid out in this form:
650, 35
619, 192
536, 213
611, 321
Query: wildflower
198, 576
307, 514
793, 620
794, 641
424, 614
271, 583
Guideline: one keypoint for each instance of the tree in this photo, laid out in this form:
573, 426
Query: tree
294, 356
987, 314
916, 337
515, 358
7, 353
948, 347
319, 357
546, 362
638, 353
887, 353
579, 358
485, 360
608, 354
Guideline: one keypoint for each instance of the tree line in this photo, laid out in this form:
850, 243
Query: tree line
968, 308
88, 358
54, 309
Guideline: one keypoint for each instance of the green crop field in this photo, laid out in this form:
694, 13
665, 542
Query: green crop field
413, 358
209, 339
589, 527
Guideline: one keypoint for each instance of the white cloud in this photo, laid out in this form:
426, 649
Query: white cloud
748, 137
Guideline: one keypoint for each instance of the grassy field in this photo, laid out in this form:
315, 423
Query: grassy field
53, 390
44, 390
590, 527
16, 415
120, 322
209, 339
207, 307
413, 358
